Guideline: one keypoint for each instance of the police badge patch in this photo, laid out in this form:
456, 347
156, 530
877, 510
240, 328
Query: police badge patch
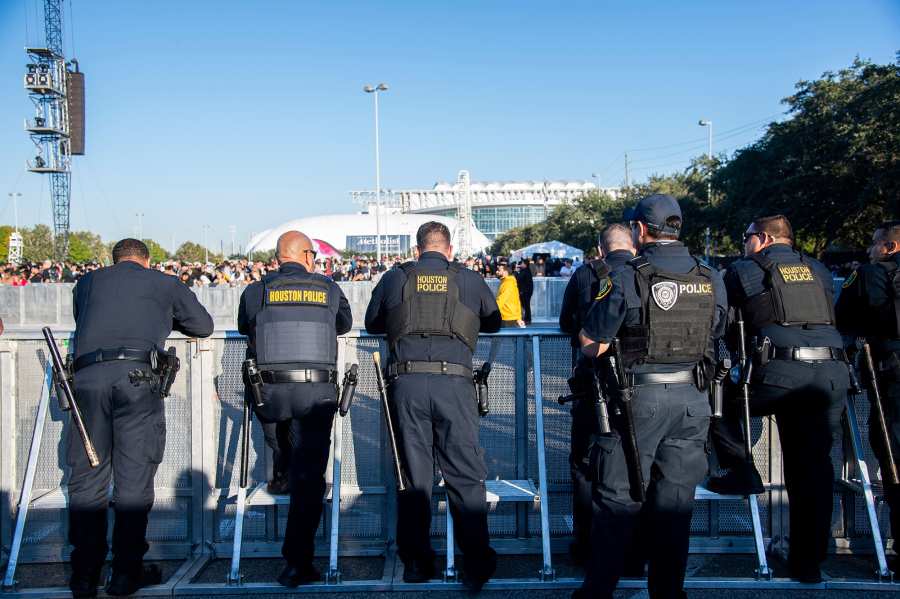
605, 288
665, 294
849, 280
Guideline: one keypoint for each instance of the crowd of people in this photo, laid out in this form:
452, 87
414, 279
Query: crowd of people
237, 273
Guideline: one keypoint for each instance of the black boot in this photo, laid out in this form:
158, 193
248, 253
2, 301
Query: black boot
83, 582
744, 481
127, 583
416, 571
294, 576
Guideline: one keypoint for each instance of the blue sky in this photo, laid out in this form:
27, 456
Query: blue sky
241, 113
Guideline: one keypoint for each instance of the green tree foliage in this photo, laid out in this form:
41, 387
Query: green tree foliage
833, 168
5, 231
157, 252
85, 246
38, 242
194, 252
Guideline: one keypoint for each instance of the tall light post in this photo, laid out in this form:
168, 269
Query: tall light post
205, 244
708, 125
381, 87
140, 226
597, 177
232, 229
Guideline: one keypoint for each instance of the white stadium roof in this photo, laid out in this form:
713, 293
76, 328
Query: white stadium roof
335, 229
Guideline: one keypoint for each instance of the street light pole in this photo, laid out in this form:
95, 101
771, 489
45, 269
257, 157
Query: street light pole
597, 177
15, 199
709, 126
381, 87
140, 231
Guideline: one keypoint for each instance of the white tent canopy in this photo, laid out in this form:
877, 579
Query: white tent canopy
556, 249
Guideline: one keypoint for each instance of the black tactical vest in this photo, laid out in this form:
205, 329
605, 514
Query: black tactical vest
599, 274
893, 306
296, 326
677, 316
431, 306
794, 295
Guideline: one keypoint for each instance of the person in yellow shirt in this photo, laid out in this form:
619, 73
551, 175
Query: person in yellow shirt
508, 297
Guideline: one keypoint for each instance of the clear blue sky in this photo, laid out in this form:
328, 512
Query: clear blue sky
244, 113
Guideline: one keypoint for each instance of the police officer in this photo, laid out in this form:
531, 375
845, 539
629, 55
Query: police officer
432, 311
292, 318
616, 248
869, 306
800, 375
665, 307
123, 315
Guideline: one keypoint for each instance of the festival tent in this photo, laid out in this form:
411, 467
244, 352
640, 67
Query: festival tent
556, 249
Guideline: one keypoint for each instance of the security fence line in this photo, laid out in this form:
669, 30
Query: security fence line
197, 483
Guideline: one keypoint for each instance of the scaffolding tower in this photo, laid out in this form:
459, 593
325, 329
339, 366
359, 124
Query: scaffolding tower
46, 81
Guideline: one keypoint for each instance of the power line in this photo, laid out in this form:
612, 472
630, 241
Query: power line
703, 139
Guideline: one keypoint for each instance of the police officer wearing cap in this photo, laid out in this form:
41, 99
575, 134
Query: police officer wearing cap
432, 311
615, 248
665, 307
292, 318
869, 306
123, 315
800, 376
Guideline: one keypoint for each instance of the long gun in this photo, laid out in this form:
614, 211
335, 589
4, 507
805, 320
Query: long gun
632, 452
385, 407
66, 396
881, 422
245, 445
746, 373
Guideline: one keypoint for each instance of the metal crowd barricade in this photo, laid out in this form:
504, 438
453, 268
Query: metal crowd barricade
526, 441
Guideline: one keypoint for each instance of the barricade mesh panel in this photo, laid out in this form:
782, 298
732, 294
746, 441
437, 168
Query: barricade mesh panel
366, 474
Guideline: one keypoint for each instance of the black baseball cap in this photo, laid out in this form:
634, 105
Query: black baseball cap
654, 210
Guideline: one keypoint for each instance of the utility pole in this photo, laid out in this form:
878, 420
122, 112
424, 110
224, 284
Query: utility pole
381, 87
708, 124
140, 227
232, 229
627, 190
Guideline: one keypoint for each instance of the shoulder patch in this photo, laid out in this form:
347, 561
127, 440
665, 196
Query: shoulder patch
849, 280
604, 289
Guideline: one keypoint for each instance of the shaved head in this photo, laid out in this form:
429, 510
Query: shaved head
616, 237
293, 246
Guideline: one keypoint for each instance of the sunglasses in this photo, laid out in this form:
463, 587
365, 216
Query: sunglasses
313, 252
748, 236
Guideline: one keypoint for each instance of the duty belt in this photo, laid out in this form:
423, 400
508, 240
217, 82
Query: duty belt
662, 378
808, 354
298, 376
414, 367
109, 355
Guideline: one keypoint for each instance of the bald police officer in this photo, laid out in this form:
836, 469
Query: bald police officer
432, 311
869, 306
666, 308
123, 315
800, 375
616, 248
292, 319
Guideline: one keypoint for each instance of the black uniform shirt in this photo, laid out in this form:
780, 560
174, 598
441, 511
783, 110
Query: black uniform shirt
127, 305
865, 307
473, 292
622, 304
744, 278
581, 290
252, 302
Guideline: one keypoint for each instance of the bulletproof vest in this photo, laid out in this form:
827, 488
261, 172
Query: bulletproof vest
296, 325
677, 315
431, 306
893, 307
794, 295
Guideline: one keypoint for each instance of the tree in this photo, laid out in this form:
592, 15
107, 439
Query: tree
833, 168
38, 243
157, 251
85, 246
194, 252
5, 232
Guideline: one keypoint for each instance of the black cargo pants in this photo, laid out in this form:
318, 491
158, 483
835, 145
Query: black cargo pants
807, 400
436, 420
126, 422
304, 413
671, 426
